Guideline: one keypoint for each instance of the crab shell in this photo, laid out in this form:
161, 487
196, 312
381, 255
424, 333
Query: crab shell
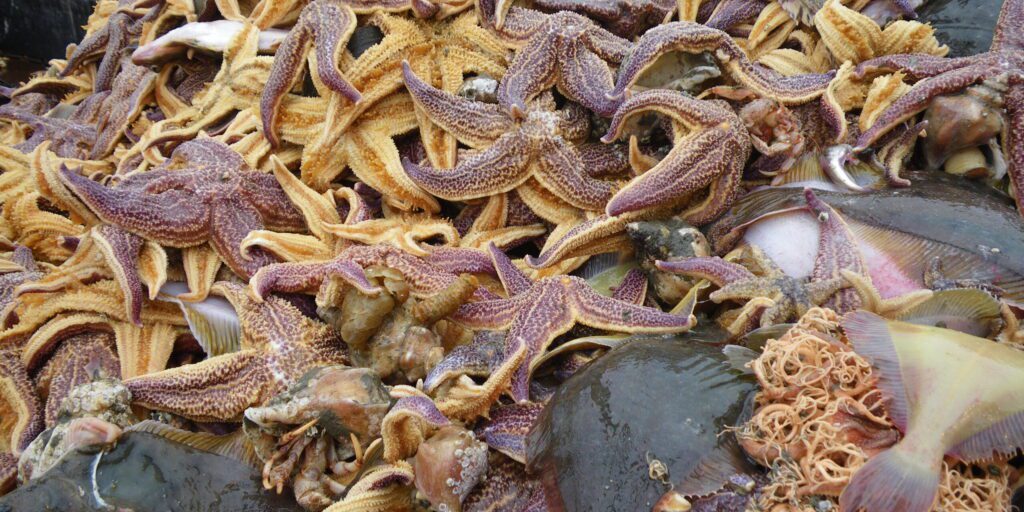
342, 399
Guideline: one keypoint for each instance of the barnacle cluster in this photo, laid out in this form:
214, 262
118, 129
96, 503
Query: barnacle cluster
358, 244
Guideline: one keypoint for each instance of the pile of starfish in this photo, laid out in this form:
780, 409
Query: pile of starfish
208, 200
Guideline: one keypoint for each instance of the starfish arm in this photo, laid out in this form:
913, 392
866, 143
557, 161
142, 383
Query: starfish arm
487, 314
714, 269
633, 288
478, 359
23, 414
915, 66
502, 167
231, 221
747, 289
604, 160
584, 77
265, 193
837, 251
695, 38
121, 250
23, 256
283, 73
577, 240
1008, 35
533, 70
514, 280
458, 260
537, 323
474, 123
217, 389
1013, 138
920, 96
92, 45
818, 292
375, 160
732, 13
332, 26
329, 24
609, 47
174, 218
721, 195
602, 312
690, 166
514, 25
679, 107
116, 41
128, 95
560, 170
423, 278
299, 277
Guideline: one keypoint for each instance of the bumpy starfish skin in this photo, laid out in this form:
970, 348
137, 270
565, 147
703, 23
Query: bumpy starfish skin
539, 146
695, 38
569, 51
23, 414
26, 271
279, 344
713, 153
537, 312
70, 137
625, 18
98, 123
121, 29
508, 426
443, 53
1003, 64
837, 252
214, 198
80, 359
790, 297
327, 24
423, 278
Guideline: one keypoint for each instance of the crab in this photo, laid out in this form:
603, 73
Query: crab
314, 433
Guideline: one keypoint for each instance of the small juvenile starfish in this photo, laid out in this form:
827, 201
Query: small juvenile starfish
537, 312
712, 151
1003, 63
538, 147
279, 344
695, 38
789, 297
214, 198
569, 51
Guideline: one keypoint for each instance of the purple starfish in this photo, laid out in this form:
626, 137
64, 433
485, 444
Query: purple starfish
537, 312
1003, 65
214, 198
